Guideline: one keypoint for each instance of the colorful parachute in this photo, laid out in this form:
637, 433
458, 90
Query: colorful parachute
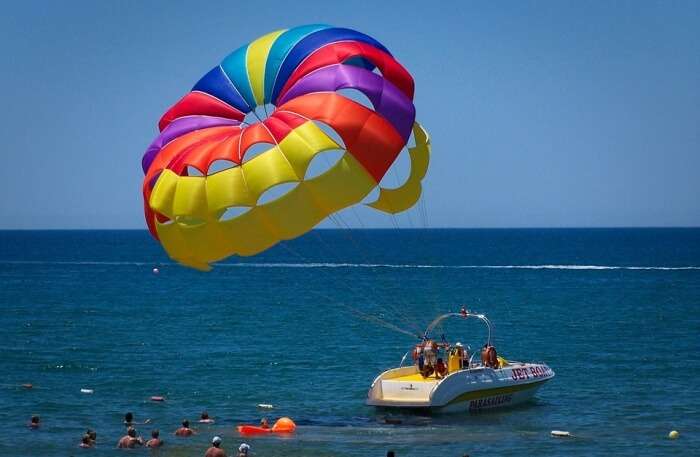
299, 72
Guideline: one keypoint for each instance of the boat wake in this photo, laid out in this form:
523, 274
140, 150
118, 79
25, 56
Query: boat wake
360, 265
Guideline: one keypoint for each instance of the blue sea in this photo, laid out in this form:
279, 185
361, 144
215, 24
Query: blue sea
308, 325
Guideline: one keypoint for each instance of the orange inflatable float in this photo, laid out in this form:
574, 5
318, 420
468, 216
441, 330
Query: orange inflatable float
283, 425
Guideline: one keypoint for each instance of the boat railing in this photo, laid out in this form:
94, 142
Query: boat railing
403, 359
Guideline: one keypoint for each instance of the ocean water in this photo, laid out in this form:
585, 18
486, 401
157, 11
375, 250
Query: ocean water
308, 325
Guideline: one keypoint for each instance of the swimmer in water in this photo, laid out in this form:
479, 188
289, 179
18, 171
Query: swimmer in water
155, 440
34, 422
86, 442
243, 450
205, 419
130, 440
185, 430
129, 420
264, 423
215, 450
92, 434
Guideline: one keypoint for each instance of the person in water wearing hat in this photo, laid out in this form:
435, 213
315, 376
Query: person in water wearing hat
243, 450
215, 450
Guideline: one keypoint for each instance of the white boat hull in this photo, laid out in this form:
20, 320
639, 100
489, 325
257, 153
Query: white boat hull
472, 389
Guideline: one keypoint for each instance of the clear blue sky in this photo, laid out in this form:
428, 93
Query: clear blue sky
541, 113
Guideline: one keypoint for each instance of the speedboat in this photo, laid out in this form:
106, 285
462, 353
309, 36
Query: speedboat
462, 383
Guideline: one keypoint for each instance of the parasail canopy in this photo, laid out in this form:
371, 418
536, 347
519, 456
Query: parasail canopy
303, 74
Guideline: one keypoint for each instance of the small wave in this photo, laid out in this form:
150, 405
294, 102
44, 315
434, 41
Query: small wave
75, 262
358, 265
449, 267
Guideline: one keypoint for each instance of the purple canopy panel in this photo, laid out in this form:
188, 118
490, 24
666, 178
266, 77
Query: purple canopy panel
176, 129
387, 99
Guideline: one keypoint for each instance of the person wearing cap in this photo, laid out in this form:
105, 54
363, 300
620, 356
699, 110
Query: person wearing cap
215, 450
243, 450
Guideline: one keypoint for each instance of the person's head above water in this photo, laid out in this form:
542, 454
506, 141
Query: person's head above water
155, 433
205, 415
92, 434
244, 448
216, 441
390, 454
128, 418
86, 439
186, 423
35, 419
131, 431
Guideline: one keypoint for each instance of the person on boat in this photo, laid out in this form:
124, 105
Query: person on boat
440, 368
185, 430
493, 357
428, 371
430, 349
86, 442
484, 355
489, 356
243, 450
130, 440
34, 422
264, 423
205, 419
463, 355
417, 352
155, 440
215, 449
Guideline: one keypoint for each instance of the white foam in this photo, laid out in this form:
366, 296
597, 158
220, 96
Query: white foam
360, 265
